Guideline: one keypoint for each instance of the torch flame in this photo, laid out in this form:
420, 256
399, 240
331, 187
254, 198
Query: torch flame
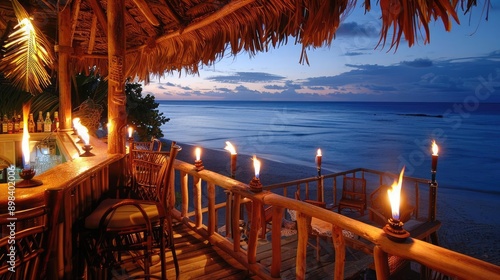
130, 131
26, 136
256, 166
318, 153
84, 133
435, 148
197, 152
395, 195
230, 148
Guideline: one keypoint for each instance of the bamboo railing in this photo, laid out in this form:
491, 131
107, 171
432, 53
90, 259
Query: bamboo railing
206, 198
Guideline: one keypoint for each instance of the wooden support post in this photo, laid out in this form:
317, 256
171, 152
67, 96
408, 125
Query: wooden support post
197, 201
303, 235
339, 245
276, 241
117, 115
254, 231
64, 50
211, 208
381, 260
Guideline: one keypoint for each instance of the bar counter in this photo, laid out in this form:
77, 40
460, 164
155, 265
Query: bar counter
84, 180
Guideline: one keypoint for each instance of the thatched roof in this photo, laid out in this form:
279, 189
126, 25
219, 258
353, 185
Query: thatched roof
175, 35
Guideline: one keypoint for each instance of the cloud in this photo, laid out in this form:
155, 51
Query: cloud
246, 77
421, 79
352, 29
419, 62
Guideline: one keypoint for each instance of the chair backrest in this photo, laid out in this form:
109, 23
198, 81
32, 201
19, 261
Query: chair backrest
27, 237
153, 145
354, 188
165, 180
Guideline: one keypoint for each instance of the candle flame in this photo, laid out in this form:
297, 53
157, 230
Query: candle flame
435, 148
395, 195
26, 136
230, 148
197, 152
130, 131
256, 166
318, 153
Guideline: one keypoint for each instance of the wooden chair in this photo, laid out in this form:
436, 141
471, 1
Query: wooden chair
353, 194
122, 230
31, 235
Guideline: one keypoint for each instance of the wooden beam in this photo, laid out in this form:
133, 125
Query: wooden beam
3, 23
226, 10
146, 11
117, 115
93, 32
64, 77
75, 11
101, 17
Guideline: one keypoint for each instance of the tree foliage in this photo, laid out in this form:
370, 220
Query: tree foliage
143, 113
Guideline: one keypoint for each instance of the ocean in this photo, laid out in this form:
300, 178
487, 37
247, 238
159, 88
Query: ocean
375, 135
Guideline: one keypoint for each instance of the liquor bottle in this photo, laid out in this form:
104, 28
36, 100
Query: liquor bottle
47, 125
10, 126
31, 124
20, 123
16, 123
39, 122
55, 124
5, 122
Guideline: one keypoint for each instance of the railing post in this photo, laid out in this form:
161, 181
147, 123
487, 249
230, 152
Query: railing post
184, 194
234, 222
276, 241
254, 231
381, 259
197, 201
303, 235
211, 208
339, 245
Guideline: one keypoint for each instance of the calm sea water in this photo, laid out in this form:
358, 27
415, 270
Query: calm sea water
382, 136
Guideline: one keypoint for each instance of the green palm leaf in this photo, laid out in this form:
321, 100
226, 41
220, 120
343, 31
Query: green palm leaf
27, 55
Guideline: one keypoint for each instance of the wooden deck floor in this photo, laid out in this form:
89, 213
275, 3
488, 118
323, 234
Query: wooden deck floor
200, 260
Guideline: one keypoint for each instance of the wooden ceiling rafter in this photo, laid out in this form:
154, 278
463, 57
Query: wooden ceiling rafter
75, 11
101, 16
226, 10
146, 12
93, 32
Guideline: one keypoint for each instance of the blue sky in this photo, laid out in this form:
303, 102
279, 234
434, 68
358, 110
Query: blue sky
454, 66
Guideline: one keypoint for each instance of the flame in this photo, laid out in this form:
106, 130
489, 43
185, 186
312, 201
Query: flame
230, 148
197, 152
76, 122
130, 131
318, 153
256, 166
26, 136
435, 148
395, 195
84, 133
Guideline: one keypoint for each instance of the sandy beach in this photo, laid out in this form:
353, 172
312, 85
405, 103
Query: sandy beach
470, 220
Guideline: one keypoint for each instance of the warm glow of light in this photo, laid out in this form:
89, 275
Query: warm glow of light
197, 152
318, 153
84, 133
76, 122
395, 195
26, 137
130, 131
256, 166
435, 148
230, 148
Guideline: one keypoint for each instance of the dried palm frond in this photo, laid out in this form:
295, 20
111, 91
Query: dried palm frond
27, 54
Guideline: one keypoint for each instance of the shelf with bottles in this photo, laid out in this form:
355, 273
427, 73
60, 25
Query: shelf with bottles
15, 125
